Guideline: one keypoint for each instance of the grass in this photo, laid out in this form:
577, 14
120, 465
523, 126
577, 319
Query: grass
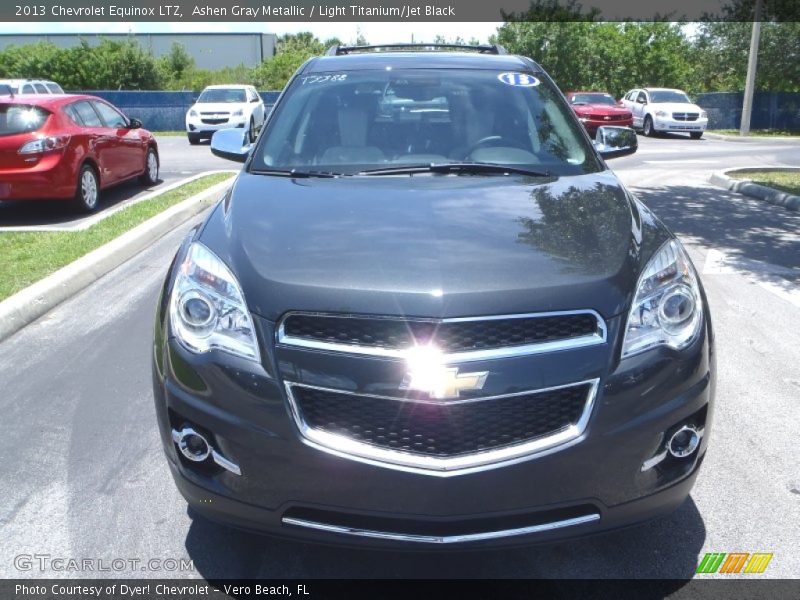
28, 256
785, 181
169, 133
758, 132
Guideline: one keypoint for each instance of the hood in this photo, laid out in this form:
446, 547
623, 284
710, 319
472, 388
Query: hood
223, 107
600, 109
676, 106
430, 246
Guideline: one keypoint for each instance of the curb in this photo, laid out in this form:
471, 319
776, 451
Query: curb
754, 190
750, 139
29, 304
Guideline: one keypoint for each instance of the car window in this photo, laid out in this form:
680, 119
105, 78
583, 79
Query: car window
73, 115
21, 118
87, 114
111, 117
222, 95
354, 121
40, 89
592, 99
642, 98
28, 89
54, 88
669, 96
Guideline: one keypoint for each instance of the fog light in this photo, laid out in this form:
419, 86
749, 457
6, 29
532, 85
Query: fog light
193, 445
683, 442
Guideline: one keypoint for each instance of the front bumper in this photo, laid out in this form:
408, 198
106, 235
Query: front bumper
669, 124
287, 487
196, 126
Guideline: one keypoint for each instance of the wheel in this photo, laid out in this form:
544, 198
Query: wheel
150, 175
88, 191
648, 128
696, 135
193, 139
251, 131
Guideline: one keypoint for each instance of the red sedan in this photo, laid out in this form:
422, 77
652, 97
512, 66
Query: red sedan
598, 108
70, 147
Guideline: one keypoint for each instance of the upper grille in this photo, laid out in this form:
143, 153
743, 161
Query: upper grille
448, 335
685, 116
441, 430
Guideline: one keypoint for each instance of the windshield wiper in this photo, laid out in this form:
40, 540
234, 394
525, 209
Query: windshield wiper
456, 167
294, 173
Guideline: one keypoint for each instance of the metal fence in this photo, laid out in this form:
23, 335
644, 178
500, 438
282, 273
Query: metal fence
771, 110
161, 111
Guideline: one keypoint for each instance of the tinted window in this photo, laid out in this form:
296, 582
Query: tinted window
70, 111
40, 89
354, 121
110, 116
54, 88
27, 89
668, 96
21, 118
87, 114
222, 95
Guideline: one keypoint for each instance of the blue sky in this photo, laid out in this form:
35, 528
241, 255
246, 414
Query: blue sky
347, 32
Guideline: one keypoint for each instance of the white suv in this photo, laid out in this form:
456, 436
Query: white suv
32, 86
663, 109
223, 107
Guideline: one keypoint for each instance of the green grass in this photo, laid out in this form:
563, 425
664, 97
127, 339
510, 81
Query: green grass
785, 181
27, 257
758, 132
169, 133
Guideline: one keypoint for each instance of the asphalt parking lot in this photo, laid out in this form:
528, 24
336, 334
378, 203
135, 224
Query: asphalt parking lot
84, 473
179, 160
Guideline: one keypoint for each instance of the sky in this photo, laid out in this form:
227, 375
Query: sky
383, 33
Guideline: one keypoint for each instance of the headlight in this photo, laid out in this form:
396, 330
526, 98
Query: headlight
239, 113
192, 113
207, 308
703, 114
662, 113
667, 308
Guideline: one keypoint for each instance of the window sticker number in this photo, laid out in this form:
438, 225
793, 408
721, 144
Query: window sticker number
323, 78
518, 79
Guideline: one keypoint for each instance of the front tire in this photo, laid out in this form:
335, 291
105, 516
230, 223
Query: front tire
696, 135
87, 194
193, 139
648, 128
251, 131
150, 175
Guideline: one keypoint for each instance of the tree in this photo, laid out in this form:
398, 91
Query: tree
174, 66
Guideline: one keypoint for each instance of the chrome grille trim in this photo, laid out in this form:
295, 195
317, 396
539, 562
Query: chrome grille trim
349, 448
440, 539
599, 337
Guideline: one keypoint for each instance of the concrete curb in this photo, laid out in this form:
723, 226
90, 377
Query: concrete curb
29, 304
751, 139
754, 190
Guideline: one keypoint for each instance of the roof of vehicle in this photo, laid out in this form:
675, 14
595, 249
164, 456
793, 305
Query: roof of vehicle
587, 92
364, 61
45, 100
226, 86
660, 89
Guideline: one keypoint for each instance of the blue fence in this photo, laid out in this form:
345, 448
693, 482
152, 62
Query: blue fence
771, 110
160, 111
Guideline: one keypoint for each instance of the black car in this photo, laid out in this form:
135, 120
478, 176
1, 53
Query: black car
428, 313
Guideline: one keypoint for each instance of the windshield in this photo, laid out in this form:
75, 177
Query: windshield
669, 96
21, 118
592, 99
348, 122
221, 95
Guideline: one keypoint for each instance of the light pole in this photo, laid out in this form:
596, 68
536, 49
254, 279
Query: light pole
750, 82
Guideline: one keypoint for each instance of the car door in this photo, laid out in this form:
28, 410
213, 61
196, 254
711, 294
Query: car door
128, 142
102, 143
639, 108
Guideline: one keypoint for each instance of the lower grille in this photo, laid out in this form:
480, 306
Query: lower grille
442, 435
214, 121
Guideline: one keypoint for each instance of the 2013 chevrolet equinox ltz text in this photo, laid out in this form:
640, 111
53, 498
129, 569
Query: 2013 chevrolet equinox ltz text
428, 313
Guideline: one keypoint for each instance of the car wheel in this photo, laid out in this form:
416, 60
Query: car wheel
193, 139
648, 128
88, 192
251, 133
696, 135
150, 175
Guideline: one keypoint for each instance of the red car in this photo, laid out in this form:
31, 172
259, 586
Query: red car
598, 108
70, 147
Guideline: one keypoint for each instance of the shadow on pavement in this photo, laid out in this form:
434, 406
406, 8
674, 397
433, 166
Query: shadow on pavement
24, 213
665, 548
744, 228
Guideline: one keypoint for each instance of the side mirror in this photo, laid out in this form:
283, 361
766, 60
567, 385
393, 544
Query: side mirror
612, 142
135, 124
230, 144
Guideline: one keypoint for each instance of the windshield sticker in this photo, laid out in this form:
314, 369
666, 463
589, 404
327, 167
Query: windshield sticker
323, 78
518, 79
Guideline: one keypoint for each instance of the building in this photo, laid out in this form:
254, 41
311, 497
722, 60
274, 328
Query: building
209, 50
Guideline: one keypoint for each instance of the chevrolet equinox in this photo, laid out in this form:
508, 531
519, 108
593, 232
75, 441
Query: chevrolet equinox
427, 313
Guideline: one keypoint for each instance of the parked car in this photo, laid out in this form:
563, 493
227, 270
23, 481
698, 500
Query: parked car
70, 147
32, 86
598, 108
436, 327
222, 107
657, 110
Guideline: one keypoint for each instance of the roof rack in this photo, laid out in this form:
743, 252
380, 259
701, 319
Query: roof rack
338, 50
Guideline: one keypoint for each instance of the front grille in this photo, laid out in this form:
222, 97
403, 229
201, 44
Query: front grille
214, 121
441, 430
449, 336
685, 116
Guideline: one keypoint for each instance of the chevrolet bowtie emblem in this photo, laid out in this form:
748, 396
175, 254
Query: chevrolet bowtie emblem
443, 382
